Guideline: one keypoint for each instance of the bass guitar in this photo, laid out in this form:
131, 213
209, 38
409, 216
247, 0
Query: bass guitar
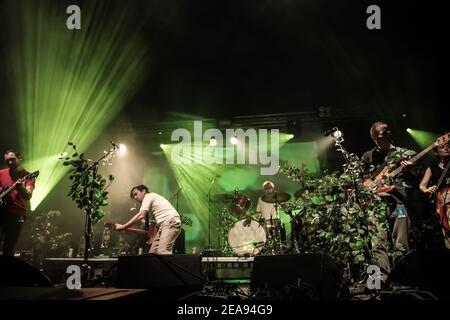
380, 184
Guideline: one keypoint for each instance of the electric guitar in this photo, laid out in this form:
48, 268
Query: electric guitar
7, 190
380, 183
150, 233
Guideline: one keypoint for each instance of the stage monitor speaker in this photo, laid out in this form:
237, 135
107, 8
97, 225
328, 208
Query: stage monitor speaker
307, 276
426, 270
154, 271
15, 272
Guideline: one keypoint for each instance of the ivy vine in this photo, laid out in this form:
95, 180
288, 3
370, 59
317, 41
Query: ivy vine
334, 220
88, 191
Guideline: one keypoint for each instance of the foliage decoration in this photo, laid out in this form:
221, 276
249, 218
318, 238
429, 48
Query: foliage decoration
88, 188
336, 221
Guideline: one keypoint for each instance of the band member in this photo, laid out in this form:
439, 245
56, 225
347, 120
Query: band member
168, 222
374, 161
267, 212
431, 177
14, 211
264, 210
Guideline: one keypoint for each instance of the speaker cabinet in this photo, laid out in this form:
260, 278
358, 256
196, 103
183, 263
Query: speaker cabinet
152, 271
15, 272
315, 275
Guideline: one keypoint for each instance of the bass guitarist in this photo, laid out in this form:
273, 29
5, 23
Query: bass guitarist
374, 161
15, 206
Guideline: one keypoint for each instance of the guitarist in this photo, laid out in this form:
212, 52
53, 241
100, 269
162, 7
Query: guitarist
14, 210
168, 222
374, 161
432, 176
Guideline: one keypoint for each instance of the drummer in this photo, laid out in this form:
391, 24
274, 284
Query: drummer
264, 210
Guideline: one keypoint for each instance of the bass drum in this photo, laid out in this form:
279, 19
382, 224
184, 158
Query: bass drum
247, 237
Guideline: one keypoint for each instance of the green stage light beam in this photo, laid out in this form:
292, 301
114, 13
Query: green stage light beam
423, 138
197, 177
67, 85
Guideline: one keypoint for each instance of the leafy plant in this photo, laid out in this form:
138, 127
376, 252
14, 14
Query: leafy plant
88, 189
336, 221
47, 240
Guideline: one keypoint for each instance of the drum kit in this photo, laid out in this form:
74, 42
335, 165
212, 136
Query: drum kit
251, 235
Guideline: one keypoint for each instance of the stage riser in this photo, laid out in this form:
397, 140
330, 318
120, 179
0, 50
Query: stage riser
222, 268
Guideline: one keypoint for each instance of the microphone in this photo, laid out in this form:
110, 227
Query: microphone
328, 132
114, 145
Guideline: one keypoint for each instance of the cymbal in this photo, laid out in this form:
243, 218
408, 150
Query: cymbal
276, 197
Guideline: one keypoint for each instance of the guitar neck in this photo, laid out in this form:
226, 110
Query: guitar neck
6, 191
133, 230
413, 159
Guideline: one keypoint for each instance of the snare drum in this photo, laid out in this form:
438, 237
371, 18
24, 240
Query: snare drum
240, 205
247, 237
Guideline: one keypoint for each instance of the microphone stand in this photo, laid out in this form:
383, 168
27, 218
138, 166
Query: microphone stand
353, 168
89, 211
176, 194
209, 214
352, 165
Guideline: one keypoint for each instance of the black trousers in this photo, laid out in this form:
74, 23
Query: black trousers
10, 229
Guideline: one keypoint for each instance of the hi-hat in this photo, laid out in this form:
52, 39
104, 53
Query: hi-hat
276, 197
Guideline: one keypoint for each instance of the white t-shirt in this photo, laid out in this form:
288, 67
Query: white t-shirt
267, 209
159, 208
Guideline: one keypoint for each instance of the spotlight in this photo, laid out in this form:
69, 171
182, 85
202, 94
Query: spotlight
233, 140
291, 136
122, 149
160, 132
162, 146
213, 142
408, 130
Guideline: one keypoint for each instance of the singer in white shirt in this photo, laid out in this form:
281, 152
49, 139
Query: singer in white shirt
168, 222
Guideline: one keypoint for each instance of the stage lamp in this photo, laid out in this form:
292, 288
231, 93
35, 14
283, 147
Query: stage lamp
122, 149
